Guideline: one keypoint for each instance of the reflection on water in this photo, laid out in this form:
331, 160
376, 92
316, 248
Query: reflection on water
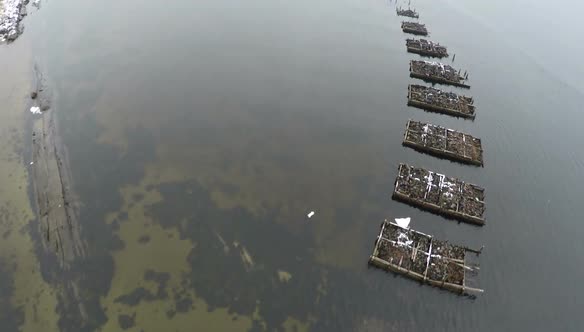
201, 133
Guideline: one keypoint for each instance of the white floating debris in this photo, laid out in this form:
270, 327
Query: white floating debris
35, 110
403, 222
310, 214
32, 163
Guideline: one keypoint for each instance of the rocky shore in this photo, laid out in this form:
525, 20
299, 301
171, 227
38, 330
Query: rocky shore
11, 13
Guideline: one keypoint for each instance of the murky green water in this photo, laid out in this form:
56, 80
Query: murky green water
201, 133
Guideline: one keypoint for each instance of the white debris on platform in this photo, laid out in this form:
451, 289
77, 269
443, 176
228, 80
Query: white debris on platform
35, 110
403, 222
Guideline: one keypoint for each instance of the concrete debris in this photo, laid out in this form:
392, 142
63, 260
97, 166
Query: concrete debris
12, 12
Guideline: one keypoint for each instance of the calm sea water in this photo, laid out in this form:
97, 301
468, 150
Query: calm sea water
201, 133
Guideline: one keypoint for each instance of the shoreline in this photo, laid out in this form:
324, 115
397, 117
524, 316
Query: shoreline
11, 14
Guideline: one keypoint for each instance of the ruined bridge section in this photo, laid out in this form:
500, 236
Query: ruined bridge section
51, 180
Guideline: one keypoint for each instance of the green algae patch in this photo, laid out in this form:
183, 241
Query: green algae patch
148, 283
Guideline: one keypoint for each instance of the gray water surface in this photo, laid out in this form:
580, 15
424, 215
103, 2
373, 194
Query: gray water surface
201, 133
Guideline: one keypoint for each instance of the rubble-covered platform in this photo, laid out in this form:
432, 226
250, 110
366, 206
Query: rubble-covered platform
421, 257
407, 12
443, 142
439, 101
426, 48
414, 28
436, 72
440, 194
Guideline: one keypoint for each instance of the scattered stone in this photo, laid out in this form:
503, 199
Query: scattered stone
144, 239
161, 278
135, 297
115, 225
170, 313
12, 12
137, 197
127, 321
184, 304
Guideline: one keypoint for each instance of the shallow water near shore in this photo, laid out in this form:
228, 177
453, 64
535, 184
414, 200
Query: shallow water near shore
200, 134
